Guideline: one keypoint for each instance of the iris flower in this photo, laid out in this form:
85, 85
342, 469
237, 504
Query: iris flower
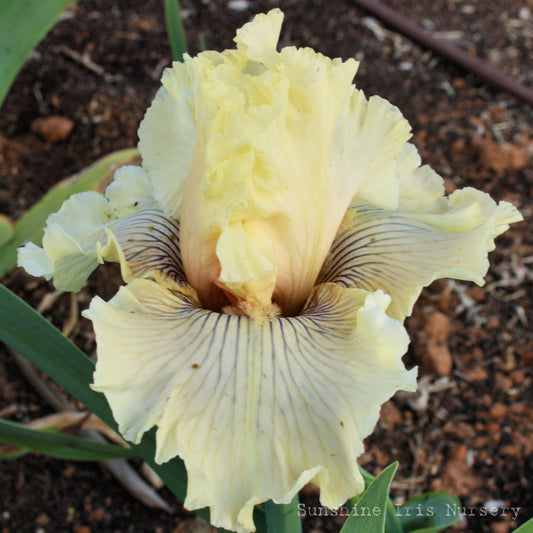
274, 239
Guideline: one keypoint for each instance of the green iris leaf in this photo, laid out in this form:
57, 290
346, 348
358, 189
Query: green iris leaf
23, 23
49, 442
429, 513
175, 30
368, 512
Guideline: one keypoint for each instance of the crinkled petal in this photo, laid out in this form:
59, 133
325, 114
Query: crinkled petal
142, 238
167, 137
281, 152
275, 143
35, 260
241, 260
255, 408
130, 191
401, 252
369, 137
258, 39
421, 188
69, 253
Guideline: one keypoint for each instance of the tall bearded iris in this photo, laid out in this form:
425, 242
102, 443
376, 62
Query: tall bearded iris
277, 234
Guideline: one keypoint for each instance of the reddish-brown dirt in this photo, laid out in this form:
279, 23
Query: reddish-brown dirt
469, 429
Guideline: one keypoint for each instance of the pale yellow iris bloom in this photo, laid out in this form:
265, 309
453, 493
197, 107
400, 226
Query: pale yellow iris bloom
277, 234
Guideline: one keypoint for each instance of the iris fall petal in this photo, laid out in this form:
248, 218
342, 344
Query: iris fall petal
401, 252
255, 409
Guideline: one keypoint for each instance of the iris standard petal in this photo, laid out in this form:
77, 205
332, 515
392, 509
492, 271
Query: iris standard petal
255, 409
369, 137
332, 144
167, 137
401, 252
258, 39
275, 145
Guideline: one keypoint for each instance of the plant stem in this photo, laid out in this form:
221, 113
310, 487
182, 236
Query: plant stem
283, 518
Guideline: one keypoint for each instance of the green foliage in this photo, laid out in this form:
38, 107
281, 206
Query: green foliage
31, 226
368, 513
6, 229
392, 524
175, 30
51, 351
429, 513
49, 442
23, 23
283, 518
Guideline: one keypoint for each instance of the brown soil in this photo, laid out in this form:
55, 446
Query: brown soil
469, 429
